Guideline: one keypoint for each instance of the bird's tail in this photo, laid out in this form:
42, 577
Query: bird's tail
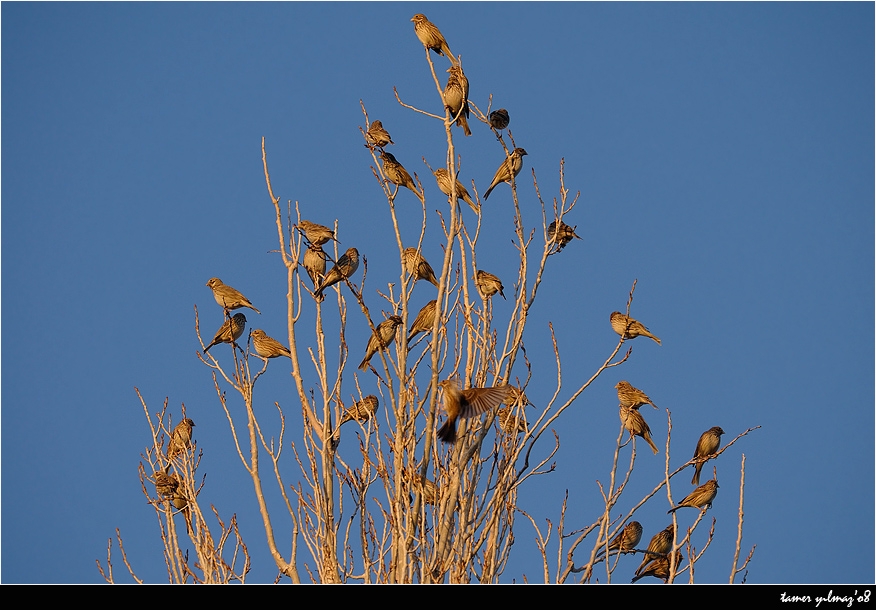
447, 432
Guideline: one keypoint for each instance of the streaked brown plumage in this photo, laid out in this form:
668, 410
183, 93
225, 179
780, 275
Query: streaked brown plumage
398, 175
708, 444
377, 135
516, 397
227, 297
511, 166
267, 347
431, 36
628, 328
428, 489
381, 338
442, 177
631, 397
314, 264
417, 266
229, 332
467, 403
456, 97
361, 410
661, 543
626, 540
316, 234
701, 497
424, 320
636, 426
510, 423
165, 484
659, 568
488, 284
344, 268
499, 119
180, 438
563, 235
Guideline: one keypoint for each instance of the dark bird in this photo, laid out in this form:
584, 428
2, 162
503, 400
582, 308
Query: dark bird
456, 97
417, 266
659, 568
314, 264
708, 444
424, 320
398, 175
467, 403
510, 167
165, 484
442, 177
499, 119
626, 540
660, 544
361, 411
229, 332
180, 438
316, 234
631, 397
228, 297
344, 268
701, 497
562, 235
267, 347
382, 336
377, 135
637, 426
431, 36
628, 328
488, 284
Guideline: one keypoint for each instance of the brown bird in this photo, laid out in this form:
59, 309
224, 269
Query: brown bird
266, 347
660, 544
314, 264
628, 328
510, 167
362, 410
229, 332
417, 266
428, 489
701, 497
467, 403
442, 177
563, 235
636, 426
424, 320
344, 268
165, 484
228, 297
382, 336
398, 175
377, 135
488, 284
708, 444
180, 438
456, 97
431, 37
316, 234
499, 119
659, 568
626, 540
631, 397
516, 397
510, 423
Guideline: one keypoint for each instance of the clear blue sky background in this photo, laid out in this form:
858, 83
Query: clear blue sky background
725, 157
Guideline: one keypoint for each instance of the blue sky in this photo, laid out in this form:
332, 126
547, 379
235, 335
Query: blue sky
724, 153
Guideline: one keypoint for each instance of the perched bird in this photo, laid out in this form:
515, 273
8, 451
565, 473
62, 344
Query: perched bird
701, 497
362, 410
510, 423
382, 336
314, 264
659, 568
228, 297
467, 403
165, 484
626, 540
499, 119
377, 135
708, 444
488, 284
456, 97
428, 489
510, 168
636, 426
424, 320
442, 177
628, 328
631, 397
417, 266
316, 234
562, 235
229, 332
398, 175
266, 347
660, 544
516, 397
181, 437
431, 37
344, 268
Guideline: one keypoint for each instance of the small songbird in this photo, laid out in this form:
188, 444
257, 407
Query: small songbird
510, 168
707, 445
417, 266
701, 497
628, 328
488, 284
229, 332
659, 568
165, 484
563, 235
316, 234
442, 177
637, 426
362, 410
499, 119
660, 544
456, 97
377, 135
510, 423
428, 489
626, 540
467, 403
398, 175
516, 397
180, 438
314, 264
631, 397
228, 297
344, 268
382, 336
267, 347
431, 36
424, 320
